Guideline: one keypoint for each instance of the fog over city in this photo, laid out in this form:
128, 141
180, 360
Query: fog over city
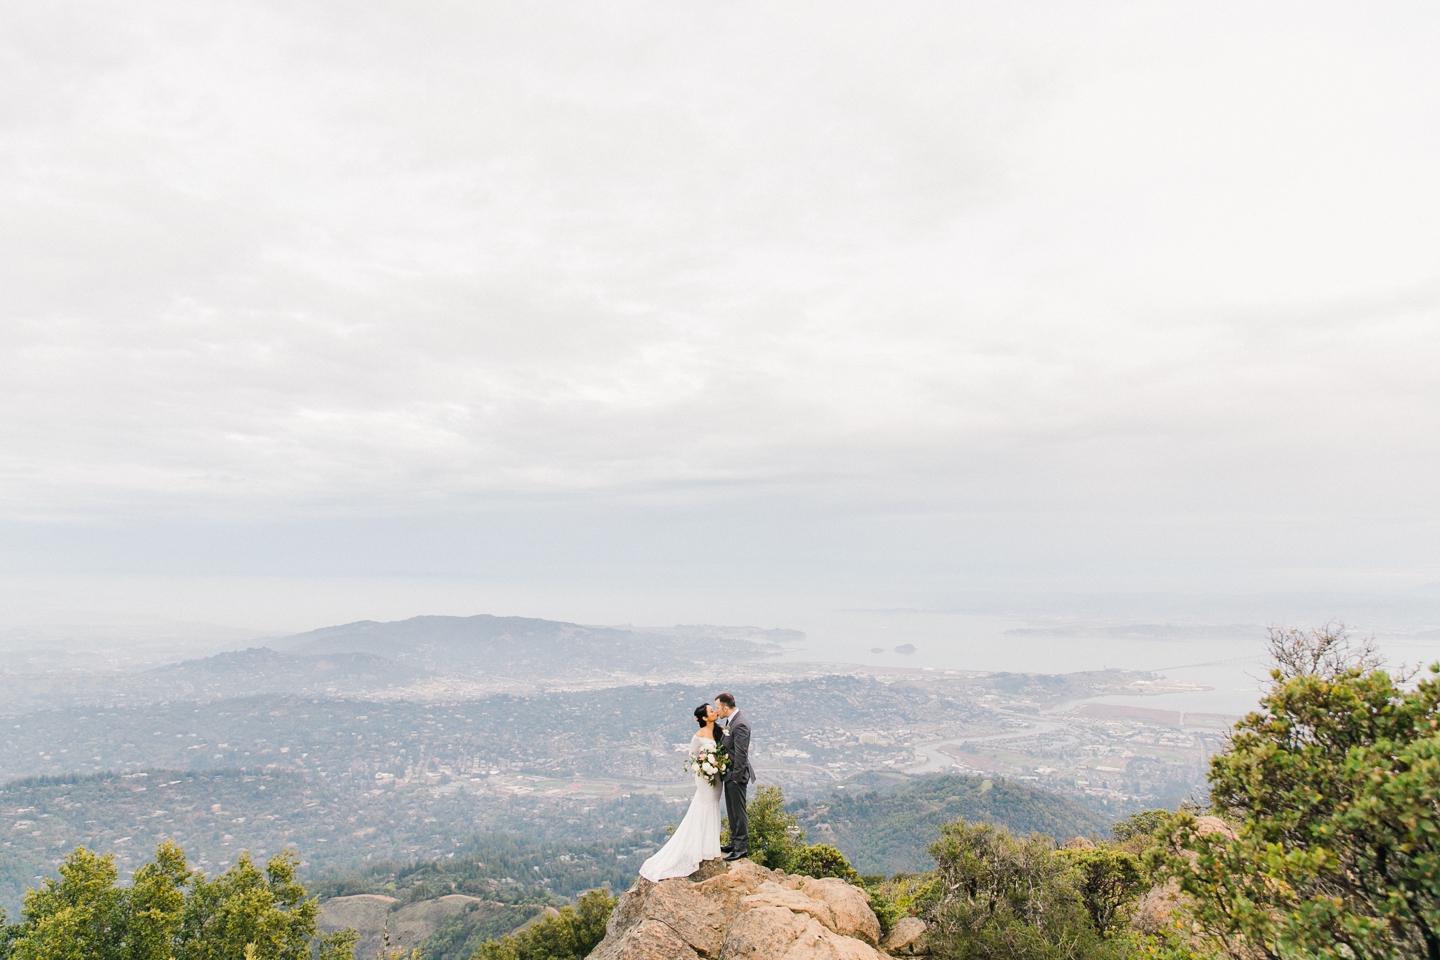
920, 324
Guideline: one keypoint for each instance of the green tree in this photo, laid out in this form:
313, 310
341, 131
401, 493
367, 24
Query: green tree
245, 906
569, 936
460, 934
777, 842
1142, 826
171, 913
1006, 898
1108, 880
78, 916
156, 902
775, 835
1333, 790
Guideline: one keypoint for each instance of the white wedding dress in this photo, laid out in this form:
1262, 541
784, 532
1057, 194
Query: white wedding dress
698, 836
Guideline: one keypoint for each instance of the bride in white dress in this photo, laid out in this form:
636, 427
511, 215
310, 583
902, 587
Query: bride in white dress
698, 836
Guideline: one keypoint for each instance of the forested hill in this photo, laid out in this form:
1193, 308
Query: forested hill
519, 645
891, 831
339, 829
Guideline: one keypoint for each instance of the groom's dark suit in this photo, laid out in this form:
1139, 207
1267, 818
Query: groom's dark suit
737, 780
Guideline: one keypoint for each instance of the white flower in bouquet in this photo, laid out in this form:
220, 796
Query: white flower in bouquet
710, 764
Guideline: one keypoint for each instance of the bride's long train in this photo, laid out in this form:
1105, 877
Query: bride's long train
697, 839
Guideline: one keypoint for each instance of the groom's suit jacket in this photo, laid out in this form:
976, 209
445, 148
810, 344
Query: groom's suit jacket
737, 745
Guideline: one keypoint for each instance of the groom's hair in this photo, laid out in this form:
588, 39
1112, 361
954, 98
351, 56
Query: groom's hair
725, 698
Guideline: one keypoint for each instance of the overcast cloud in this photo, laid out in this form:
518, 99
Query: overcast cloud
1100, 295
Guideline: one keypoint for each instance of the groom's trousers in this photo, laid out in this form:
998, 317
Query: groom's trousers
739, 820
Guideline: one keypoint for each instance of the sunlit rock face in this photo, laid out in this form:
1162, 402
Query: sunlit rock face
741, 911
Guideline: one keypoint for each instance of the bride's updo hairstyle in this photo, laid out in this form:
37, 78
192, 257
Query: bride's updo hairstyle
702, 714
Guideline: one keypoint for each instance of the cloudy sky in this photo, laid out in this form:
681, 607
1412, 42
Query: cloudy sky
685, 311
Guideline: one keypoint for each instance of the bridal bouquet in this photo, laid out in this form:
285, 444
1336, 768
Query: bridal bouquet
710, 764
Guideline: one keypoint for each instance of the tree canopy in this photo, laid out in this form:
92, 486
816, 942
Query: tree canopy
1333, 790
171, 912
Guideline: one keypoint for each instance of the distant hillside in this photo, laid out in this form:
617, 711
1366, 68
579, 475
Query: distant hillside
891, 831
449, 927
262, 670
366, 657
240, 673
519, 646
519, 848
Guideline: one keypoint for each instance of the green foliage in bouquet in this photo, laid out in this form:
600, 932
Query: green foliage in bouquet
710, 764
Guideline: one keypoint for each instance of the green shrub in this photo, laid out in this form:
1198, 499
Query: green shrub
775, 836
1142, 826
915, 893
1108, 880
900, 896
1006, 898
887, 911
569, 936
461, 934
822, 860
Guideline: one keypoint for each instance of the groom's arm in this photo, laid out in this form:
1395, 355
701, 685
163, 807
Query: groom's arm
740, 751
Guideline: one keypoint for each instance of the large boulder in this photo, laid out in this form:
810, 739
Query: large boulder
741, 911
850, 904
1155, 910
906, 938
1205, 826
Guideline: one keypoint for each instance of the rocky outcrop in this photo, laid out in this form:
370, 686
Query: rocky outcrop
1205, 826
741, 911
906, 938
1156, 910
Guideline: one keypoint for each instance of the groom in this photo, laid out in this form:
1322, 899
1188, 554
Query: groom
737, 745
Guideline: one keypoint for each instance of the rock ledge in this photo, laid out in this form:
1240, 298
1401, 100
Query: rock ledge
741, 912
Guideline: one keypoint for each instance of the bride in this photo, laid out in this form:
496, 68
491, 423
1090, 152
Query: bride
698, 836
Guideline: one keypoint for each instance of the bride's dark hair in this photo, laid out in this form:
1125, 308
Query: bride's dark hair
702, 714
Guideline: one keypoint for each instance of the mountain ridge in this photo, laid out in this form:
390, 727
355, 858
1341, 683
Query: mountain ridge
517, 645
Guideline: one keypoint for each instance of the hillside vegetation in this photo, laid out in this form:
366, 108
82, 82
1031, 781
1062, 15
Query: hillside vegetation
892, 831
216, 815
1323, 841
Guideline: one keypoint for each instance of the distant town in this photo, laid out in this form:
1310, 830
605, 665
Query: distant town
413, 771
